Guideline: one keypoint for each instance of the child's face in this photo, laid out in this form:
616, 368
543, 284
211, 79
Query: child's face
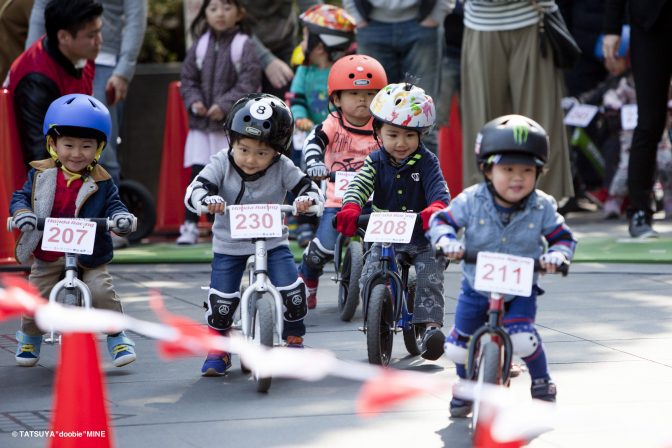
252, 156
354, 105
399, 143
222, 16
616, 66
75, 153
513, 182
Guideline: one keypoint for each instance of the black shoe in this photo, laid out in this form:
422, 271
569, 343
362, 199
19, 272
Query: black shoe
639, 225
460, 408
432, 344
544, 389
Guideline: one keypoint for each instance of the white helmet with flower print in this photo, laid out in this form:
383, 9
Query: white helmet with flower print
404, 105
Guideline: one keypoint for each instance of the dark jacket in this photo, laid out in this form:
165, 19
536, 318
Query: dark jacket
97, 198
218, 82
406, 187
643, 13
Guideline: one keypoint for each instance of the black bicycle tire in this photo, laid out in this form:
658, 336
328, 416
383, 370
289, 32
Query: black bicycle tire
348, 299
379, 334
489, 366
413, 337
264, 315
140, 202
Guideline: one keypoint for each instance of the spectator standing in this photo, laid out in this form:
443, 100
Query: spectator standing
651, 61
406, 37
59, 63
14, 15
453, 27
503, 72
124, 24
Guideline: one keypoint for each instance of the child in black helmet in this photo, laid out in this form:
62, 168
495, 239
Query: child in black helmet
255, 170
70, 184
504, 213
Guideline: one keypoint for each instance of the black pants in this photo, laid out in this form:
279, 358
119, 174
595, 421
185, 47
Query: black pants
651, 57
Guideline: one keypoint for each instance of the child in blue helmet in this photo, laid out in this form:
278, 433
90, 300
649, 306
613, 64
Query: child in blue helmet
504, 213
255, 170
70, 184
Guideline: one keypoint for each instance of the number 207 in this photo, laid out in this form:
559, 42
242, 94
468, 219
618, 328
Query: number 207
66, 236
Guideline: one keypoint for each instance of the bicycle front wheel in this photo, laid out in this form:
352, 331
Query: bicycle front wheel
263, 334
348, 290
488, 371
380, 322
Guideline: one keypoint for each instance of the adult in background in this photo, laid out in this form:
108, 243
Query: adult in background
503, 72
14, 16
406, 37
124, 24
276, 30
453, 27
59, 63
651, 61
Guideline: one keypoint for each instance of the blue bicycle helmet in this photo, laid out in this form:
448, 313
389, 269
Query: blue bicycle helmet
78, 115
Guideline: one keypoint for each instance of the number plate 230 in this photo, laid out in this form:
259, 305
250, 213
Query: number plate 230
504, 274
255, 221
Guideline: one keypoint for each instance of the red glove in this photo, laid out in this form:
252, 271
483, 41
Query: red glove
346, 219
429, 211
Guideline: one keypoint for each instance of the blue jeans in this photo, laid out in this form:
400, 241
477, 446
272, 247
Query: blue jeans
227, 272
406, 47
327, 236
109, 156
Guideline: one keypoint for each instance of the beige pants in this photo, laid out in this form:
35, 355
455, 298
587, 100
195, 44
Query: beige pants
44, 275
503, 73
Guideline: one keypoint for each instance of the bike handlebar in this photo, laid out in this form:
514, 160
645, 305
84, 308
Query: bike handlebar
471, 257
107, 224
284, 208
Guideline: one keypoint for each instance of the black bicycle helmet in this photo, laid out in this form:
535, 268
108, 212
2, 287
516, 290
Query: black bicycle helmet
512, 139
262, 117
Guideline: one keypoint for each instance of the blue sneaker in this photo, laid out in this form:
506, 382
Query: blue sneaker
28, 350
216, 364
121, 349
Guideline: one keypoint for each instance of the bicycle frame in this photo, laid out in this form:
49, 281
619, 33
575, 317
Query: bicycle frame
261, 285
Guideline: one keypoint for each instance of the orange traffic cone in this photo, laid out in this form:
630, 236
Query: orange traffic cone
450, 149
79, 417
174, 178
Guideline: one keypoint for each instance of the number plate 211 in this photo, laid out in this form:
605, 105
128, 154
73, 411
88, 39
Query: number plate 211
504, 274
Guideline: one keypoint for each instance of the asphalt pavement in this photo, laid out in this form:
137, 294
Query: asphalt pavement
607, 329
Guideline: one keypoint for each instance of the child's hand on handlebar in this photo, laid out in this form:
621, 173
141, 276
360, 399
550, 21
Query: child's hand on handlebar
346, 219
551, 261
317, 170
216, 204
123, 223
451, 248
303, 203
25, 221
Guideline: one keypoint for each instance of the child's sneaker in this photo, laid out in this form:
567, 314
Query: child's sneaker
543, 389
612, 208
432, 344
294, 342
460, 408
188, 234
305, 235
216, 364
28, 350
121, 349
311, 286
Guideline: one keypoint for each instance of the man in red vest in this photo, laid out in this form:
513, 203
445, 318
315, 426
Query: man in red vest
59, 63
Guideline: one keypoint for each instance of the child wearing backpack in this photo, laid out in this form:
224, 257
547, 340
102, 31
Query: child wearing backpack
504, 213
220, 67
71, 184
255, 170
340, 143
405, 177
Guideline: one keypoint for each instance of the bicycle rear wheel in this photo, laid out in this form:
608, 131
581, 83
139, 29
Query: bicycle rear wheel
488, 372
414, 334
263, 334
348, 289
380, 322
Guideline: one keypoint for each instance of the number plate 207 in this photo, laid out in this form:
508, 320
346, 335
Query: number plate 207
71, 235
504, 274
255, 221
390, 227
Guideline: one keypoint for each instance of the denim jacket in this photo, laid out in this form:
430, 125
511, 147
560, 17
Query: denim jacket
474, 210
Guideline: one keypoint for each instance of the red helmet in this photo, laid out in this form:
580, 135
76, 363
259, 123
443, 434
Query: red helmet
356, 72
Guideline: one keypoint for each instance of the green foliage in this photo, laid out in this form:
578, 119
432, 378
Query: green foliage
164, 38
